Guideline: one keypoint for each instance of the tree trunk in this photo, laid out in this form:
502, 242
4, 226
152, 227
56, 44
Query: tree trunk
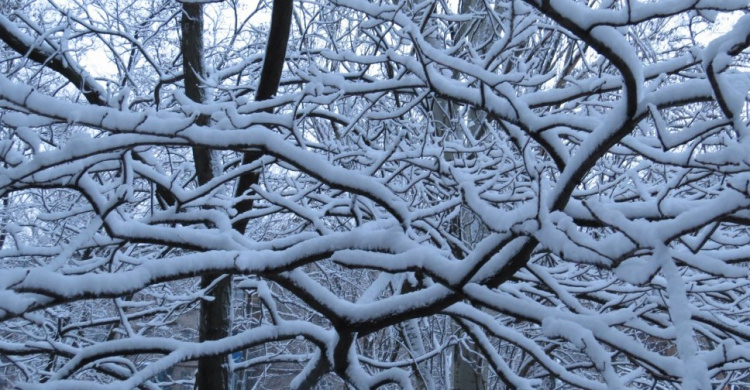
215, 316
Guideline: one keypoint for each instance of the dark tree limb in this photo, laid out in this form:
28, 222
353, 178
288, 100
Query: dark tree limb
52, 59
270, 76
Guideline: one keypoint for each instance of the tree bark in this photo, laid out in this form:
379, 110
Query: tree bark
215, 316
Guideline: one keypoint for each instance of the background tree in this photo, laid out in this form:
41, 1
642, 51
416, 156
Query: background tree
526, 193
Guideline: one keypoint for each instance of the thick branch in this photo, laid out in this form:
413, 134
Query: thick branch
273, 64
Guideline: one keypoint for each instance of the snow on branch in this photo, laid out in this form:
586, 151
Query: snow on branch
484, 195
